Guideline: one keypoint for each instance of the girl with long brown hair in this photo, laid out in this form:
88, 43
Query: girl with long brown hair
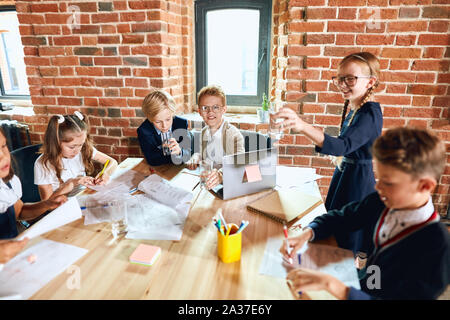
68, 155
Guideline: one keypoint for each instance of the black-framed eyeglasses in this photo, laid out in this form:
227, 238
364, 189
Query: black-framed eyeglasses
215, 108
350, 81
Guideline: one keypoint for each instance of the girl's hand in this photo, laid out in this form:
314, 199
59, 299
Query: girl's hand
55, 201
102, 180
291, 120
174, 147
214, 178
85, 181
194, 162
296, 243
299, 280
65, 188
9, 249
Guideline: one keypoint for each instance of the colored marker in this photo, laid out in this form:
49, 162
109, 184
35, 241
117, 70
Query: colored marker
219, 212
288, 248
243, 225
220, 227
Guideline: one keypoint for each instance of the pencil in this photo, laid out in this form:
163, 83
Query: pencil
103, 170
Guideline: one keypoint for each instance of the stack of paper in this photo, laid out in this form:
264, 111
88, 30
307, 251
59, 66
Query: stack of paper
145, 254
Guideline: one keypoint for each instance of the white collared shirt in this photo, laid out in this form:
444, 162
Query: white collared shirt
72, 168
9, 197
214, 146
398, 220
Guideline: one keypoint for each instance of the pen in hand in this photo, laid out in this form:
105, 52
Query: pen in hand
288, 248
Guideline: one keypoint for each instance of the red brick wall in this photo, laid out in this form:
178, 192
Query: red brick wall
412, 41
106, 62
123, 48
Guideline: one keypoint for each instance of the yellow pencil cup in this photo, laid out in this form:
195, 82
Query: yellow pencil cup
229, 247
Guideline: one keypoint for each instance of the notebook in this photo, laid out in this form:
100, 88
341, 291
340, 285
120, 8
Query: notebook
285, 205
145, 254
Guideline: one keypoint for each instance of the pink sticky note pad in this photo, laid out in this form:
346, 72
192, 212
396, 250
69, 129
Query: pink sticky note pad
145, 254
253, 173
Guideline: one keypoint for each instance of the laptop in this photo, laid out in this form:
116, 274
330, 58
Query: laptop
246, 173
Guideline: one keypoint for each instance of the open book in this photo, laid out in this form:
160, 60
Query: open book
285, 205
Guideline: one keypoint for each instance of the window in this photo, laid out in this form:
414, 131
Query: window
233, 48
13, 80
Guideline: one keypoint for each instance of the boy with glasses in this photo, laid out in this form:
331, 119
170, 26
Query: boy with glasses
218, 137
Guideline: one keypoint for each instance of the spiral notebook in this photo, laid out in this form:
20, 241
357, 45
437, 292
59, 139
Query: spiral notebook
285, 205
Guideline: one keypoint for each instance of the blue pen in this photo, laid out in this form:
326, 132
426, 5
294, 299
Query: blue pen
84, 208
244, 224
133, 190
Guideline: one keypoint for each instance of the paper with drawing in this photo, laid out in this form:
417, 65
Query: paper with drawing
334, 261
160, 213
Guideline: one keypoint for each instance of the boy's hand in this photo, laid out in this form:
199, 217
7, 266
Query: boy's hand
9, 249
214, 178
174, 147
296, 243
301, 279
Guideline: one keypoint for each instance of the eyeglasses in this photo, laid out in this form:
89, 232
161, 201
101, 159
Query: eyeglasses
215, 108
350, 81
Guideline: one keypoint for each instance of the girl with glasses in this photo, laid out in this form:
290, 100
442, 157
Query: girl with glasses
353, 179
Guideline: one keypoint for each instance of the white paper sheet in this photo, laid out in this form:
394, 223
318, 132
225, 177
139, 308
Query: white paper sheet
64, 214
21, 278
294, 176
334, 261
121, 184
148, 219
185, 181
160, 189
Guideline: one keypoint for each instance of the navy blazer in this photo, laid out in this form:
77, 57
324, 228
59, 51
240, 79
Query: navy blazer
354, 179
150, 142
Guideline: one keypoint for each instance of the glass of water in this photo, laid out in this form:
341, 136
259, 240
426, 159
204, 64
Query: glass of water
165, 137
274, 132
206, 167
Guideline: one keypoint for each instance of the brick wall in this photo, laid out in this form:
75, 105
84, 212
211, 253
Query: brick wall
122, 48
412, 41
103, 60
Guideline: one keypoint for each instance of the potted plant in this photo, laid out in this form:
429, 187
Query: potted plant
263, 111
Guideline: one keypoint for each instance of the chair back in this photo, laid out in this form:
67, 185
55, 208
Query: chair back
23, 165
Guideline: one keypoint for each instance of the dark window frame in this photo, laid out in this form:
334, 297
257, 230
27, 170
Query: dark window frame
3, 95
264, 49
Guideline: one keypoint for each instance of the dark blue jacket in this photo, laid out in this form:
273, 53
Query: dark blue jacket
354, 180
150, 142
413, 265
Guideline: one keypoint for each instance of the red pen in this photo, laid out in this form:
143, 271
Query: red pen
288, 248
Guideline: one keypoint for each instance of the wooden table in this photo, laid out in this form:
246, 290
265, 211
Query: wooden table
186, 269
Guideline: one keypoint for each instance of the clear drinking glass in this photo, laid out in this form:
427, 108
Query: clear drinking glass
165, 137
206, 167
274, 133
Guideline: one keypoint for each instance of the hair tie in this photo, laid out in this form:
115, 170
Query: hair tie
79, 115
60, 118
